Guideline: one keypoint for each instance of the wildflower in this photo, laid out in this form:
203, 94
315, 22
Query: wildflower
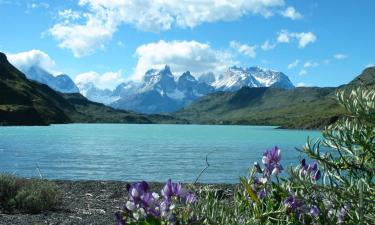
317, 175
312, 167
119, 218
303, 164
130, 206
293, 204
309, 170
190, 198
271, 160
261, 194
136, 190
314, 211
171, 189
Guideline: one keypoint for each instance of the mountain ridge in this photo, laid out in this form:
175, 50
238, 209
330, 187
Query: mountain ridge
27, 102
161, 91
301, 107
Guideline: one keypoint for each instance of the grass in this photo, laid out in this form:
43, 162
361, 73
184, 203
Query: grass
27, 195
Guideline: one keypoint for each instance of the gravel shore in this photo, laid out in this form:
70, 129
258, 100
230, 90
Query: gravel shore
85, 202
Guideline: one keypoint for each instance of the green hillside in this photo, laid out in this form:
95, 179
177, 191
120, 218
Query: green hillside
25, 102
303, 107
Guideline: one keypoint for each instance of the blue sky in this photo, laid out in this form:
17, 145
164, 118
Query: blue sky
316, 43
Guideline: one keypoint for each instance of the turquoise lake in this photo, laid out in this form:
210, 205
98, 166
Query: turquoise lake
143, 152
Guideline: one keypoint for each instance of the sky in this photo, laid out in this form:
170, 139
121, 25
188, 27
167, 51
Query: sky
314, 42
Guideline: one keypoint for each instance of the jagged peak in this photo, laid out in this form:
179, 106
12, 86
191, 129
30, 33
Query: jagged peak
261, 69
236, 68
166, 70
187, 76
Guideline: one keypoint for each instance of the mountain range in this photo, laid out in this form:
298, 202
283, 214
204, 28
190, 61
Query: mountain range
252, 96
61, 83
301, 107
28, 102
160, 91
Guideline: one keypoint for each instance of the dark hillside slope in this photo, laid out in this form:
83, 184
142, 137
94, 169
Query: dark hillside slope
295, 108
26, 102
303, 107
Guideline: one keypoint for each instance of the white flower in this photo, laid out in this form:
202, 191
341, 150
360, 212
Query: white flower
143, 212
135, 193
155, 195
263, 180
136, 215
130, 205
265, 160
275, 171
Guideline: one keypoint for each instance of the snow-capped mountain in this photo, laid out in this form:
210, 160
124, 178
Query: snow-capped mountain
62, 83
237, 77
270, 78
162, 91
90, 91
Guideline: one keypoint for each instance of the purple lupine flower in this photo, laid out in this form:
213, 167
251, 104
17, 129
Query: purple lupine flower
155, 212
171, 189
341, 215
312, 167
271, 160
261, 194
176, 189
136, 190
165, 207
190, 198
293, 204
148, 199
314, 211
167, 189
317, 175
119, 218
272, 156
303, 164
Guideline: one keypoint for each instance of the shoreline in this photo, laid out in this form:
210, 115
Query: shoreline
88, 202
278, 127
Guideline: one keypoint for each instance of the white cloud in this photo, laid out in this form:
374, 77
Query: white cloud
370, 65
108, 80
267, 46
103, 18
83, 39
291, 13
25, 60
69, 14
340, 56
302, 84
181, 56
294, 64
34, 5
283, 37
303, 38
302, 72
310, 64
244, 49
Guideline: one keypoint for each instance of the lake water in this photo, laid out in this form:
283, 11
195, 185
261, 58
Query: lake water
143, 152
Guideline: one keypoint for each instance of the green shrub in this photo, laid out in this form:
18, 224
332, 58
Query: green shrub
32, 196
